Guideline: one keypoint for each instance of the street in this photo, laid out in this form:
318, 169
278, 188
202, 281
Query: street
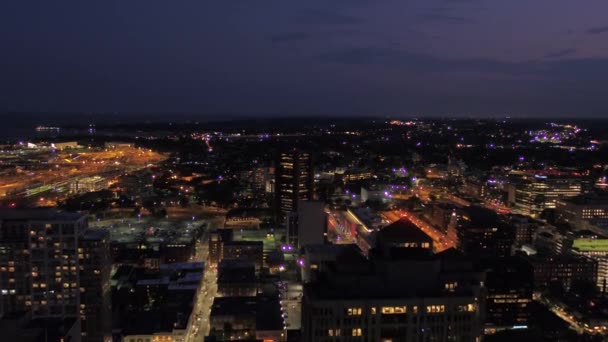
199, 323
440, 241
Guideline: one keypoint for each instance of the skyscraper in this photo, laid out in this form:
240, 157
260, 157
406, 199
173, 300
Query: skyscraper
50, 267
294, 180
95, 291
39, 266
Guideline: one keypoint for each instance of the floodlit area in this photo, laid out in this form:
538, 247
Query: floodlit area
37, 172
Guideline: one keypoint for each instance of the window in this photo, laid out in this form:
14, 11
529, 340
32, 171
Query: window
357, 332
451, 287
373, 310
466, 308
333, 332
391, 310
435, 308
354, 311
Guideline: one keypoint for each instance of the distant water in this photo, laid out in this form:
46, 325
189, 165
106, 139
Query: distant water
15, 126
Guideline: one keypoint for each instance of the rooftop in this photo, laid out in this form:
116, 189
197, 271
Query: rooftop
41, 214
403, 230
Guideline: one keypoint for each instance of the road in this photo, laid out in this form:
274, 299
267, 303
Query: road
200, 325
342, 234
441, 242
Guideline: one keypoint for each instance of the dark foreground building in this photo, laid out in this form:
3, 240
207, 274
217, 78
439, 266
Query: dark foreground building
397, 294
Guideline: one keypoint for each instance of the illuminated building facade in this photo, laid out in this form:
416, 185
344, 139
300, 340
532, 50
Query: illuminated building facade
88, 184
356, 175
397, 294
55, 268
596, 249
535, 194
294, 180
39, 266
584, 209
216, 243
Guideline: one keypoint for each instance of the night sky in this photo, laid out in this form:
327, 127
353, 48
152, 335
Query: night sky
337, 57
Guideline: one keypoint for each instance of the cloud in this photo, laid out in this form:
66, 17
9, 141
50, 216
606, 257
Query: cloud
290, 37
568, 69
413, 61
446, 14
560, 53
597, 30
450, 19
303, 36
326, 17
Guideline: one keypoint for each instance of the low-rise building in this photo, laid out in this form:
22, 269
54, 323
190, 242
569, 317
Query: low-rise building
241, 318
236, 278
562, 269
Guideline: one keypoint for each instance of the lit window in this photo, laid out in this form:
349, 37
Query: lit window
466, 308
391, 310
357, 332
435, 308
354, 311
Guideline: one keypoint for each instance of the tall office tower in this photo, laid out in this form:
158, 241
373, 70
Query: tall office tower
294, 180
95, 290
48, 263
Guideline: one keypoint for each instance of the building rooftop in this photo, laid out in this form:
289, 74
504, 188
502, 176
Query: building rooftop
403, 230
595, 198
225, 306
236, 271
265, 310
183, 266
244, 243
41, 214
96, 234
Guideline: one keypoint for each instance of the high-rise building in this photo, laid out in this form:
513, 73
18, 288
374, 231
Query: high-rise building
310, 225
294, 180
401, 292
52, 268
95, 289
39, 264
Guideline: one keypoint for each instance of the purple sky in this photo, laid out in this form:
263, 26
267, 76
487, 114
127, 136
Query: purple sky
364, 57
